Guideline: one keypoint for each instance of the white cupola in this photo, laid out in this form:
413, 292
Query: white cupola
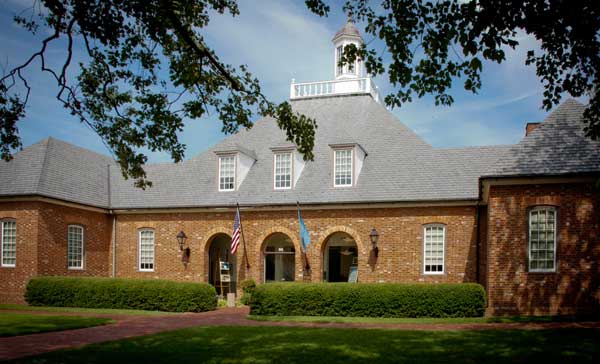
348, 34
351, 79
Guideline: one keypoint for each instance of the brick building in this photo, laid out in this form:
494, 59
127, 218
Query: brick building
523, 220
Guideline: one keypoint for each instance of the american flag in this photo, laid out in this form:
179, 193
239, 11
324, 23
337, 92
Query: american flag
235, 240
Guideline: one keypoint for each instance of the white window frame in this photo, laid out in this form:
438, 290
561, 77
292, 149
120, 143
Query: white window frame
335, 151
278, 154
82, 229
221, 157
140, 250
338, 56
2, 264
425, 227
529, 250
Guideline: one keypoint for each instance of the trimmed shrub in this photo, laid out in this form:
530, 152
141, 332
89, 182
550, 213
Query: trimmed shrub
369, 300
155, 295
248, 286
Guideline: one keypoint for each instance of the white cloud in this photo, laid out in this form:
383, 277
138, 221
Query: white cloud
279, 41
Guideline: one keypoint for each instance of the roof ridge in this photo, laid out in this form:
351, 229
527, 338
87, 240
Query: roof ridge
43, 168
74, 146
550, 119
475, 147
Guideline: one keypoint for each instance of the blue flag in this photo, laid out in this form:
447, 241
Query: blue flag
304, 236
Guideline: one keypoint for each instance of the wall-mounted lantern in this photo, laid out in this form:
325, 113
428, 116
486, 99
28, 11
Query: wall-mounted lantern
374, 235
181, 239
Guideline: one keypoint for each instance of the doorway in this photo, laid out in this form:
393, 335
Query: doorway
222, 267
340, 258
279, 259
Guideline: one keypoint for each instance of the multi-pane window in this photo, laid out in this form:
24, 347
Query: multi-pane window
433, 249
146, 250
75, 247
283, 171
9, 243
227, 173
343, 167
542, 239
339, 52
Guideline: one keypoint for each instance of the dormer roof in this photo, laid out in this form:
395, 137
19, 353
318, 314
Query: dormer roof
231, 149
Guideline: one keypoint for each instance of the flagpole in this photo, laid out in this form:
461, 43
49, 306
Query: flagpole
243, 240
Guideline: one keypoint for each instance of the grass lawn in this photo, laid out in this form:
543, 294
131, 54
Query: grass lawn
13, 324
422, 320
82, 310
311, 345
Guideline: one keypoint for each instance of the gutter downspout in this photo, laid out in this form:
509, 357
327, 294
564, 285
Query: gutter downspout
114, 252
478, 232
478, 245
114, 226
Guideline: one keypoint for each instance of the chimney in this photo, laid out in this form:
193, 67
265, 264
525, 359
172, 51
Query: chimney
530, 127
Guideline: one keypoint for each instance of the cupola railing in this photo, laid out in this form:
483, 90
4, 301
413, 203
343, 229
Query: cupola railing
334, 87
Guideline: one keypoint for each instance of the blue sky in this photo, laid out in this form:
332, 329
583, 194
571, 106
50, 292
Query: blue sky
281, 40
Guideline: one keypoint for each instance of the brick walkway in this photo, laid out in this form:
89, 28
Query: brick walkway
127, 326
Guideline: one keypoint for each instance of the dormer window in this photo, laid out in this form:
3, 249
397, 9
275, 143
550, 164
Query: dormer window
342, 168
282, 170
227, 173
348, 160
234, 164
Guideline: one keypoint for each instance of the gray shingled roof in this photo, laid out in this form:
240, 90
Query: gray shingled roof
53, 168
557, 146
399, 167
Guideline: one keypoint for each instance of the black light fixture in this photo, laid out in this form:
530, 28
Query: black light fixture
181, 239
374, 235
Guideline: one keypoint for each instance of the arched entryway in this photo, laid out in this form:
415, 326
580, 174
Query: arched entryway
279, 258
219, 259
340, 258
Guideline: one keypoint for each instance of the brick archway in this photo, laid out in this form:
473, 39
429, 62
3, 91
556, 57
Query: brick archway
260, 243
362, 253
342, 229
206, 244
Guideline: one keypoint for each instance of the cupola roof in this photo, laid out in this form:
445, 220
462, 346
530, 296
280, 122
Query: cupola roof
349, 29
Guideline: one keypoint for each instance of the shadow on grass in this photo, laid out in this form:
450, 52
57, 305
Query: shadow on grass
308, 345
12, 324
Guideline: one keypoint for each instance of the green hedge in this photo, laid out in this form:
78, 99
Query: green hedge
248, 286
369, 300
156, 295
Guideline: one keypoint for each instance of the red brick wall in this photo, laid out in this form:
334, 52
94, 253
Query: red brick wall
42, 244
483, 220
400, 242
572, 288
52, 237
13, 280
